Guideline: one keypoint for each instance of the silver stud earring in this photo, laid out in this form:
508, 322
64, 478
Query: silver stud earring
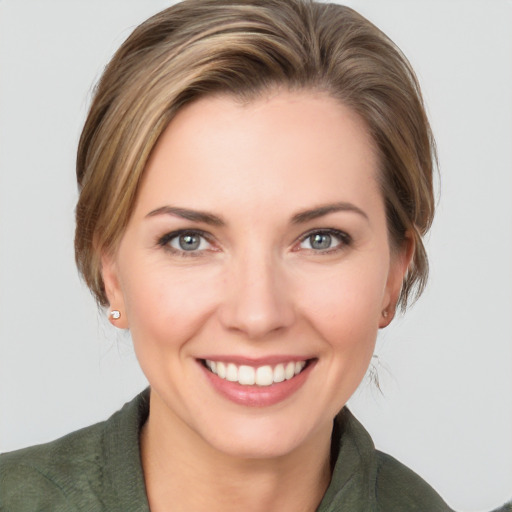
115, 314
385, 313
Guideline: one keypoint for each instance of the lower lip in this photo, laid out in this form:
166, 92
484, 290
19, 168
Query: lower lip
258, 396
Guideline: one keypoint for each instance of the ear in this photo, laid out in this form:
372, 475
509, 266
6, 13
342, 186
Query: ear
110, 275
399, 264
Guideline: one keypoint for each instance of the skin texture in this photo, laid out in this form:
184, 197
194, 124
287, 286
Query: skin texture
255, 288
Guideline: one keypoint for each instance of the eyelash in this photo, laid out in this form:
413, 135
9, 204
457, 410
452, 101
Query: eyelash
165, 240
345, 240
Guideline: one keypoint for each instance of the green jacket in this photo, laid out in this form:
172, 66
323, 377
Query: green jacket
98, 468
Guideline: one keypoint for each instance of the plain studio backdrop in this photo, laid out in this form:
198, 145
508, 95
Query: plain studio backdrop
445, 368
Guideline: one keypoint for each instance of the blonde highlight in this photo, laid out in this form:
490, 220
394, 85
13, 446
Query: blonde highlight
245, 48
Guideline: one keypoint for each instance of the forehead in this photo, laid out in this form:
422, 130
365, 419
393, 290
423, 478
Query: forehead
304, 147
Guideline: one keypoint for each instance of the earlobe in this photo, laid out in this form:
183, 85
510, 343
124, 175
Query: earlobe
117, 312
399, 265
387, 316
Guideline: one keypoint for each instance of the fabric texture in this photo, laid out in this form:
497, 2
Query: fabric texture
98, 468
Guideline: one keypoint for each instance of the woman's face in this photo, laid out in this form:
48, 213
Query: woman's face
258, 249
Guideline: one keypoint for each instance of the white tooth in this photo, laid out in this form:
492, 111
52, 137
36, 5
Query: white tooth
232, 373
279, 373
221, 370
289, 371
264, 376
246, 375
299, 366
211, 365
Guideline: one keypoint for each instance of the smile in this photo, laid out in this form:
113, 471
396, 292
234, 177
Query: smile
255, 376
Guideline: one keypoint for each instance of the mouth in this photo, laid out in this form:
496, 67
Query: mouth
260, 376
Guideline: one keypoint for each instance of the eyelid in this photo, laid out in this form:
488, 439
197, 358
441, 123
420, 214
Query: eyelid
344, 237
164, 240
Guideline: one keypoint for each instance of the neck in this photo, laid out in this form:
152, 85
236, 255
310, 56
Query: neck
182, 472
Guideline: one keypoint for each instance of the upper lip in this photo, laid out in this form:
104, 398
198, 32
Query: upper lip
258, 361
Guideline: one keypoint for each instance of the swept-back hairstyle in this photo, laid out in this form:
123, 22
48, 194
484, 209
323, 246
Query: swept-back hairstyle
245, 48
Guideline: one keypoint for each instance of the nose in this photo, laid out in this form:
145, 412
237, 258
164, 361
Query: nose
257, 298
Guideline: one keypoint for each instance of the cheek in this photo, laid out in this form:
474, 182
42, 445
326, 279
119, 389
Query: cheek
166, 306
345, 305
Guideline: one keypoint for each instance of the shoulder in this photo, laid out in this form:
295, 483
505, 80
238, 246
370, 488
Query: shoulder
49, 476
368, 479
95, 468
398, 488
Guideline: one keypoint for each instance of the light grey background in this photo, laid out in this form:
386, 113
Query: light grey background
445, 367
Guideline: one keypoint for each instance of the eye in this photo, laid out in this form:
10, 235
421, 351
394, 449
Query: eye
325, 240
185, 242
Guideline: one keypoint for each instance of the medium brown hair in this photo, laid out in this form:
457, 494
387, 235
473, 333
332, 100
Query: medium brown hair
244, 48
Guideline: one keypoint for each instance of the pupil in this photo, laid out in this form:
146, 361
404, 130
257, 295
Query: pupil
320, 241
189, 242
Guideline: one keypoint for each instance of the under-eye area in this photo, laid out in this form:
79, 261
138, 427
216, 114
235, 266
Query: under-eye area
264, 375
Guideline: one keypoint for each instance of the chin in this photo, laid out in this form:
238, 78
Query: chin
255, 447
265, 437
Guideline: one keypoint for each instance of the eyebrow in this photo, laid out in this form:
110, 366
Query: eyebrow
320, 211
299, 218
184, 213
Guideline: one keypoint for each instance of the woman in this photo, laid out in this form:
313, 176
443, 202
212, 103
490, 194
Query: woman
255, 179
